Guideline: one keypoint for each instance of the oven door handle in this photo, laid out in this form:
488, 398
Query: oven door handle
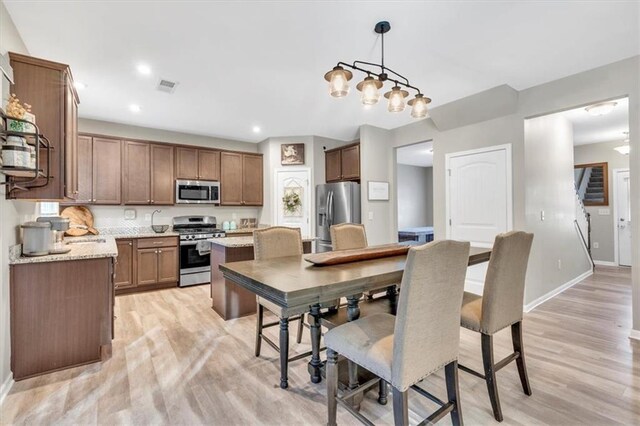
188, 243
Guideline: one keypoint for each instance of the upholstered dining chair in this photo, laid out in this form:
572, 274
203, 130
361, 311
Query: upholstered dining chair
270, 243
499, 307
404, 349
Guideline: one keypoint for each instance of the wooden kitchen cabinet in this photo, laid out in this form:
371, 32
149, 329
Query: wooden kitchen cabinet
107, 166
85, 170
167, 261
147, 266
241, 180
197, 164
48, 87
162, 177
124, 265
136, 172
343, 163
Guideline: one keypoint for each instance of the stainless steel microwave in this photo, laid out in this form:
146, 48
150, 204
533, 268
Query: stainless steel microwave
197, 192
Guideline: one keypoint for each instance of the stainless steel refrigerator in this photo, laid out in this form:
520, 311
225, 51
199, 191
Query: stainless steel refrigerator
335, 203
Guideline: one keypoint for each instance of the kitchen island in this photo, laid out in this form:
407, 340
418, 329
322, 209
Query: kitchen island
62, 307
227, 298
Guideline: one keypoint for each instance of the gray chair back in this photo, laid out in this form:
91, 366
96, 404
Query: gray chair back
503, 292
347, 236
277, 241
427, 329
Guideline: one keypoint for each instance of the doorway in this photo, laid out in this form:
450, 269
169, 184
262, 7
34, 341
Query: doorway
622, 217
293, 199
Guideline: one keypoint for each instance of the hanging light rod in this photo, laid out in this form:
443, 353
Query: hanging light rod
339, 77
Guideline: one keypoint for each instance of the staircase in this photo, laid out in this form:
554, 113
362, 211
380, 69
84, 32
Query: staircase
583, 225
595, 187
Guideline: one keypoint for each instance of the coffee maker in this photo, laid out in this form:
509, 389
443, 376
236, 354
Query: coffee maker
58, 227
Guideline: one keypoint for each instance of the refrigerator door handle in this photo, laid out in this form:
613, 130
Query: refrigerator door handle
330, 208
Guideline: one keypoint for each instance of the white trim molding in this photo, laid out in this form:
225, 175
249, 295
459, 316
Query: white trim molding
604, 263
635, 335
616, 244
6, 387
540, 300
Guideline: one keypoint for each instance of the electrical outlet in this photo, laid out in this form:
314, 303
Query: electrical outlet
541, 215
559, 264
370, 215
604, 212
147, 217
596, 244
129, 214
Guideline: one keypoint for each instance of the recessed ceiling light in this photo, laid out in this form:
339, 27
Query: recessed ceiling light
624, 149
134, 108
602, 108
144, 69
256, 129
78, 85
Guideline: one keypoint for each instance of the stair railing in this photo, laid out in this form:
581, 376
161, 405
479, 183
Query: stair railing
583, 224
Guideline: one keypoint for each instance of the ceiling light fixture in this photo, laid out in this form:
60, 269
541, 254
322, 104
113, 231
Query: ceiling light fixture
134, 108
603, 108
624, 149
377, 74
78, 85
256, 129
144, 69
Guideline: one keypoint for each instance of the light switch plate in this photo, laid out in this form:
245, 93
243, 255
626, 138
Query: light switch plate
147, 217
370, 215
596, 245
129, 214
604, 212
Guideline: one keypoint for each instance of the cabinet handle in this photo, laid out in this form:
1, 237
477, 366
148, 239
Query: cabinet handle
156, 252
130, 244
159, 251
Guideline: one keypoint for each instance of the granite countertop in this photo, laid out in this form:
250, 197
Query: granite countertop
135, 232
240, 231
245, 241
87, 247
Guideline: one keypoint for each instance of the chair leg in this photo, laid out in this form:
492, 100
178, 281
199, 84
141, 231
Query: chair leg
516, 337
259, 322
383, 391
400, 407
490, 375
300, 328
453, 392
284, 352
332, 386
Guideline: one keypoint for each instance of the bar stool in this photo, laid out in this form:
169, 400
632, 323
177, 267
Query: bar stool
422, 338
499, 307
270, 243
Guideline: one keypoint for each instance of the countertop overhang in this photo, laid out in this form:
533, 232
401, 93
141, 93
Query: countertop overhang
87, 247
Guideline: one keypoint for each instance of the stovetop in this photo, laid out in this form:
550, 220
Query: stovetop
197, 227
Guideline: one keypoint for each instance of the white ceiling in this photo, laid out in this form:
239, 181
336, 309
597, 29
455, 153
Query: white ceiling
588, 129
419, 154
245, 64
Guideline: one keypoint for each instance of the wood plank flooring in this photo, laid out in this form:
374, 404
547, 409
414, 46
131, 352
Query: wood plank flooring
175, 361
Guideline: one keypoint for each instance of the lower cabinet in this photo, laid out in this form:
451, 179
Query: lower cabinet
146, 264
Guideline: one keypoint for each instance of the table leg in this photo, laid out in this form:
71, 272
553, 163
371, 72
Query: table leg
315, 364
353, 310
284, 352
392, 294
353, 313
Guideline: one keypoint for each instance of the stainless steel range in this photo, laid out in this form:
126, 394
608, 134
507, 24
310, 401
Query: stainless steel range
195, 260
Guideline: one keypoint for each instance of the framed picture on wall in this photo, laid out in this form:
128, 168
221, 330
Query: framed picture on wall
292, 154
378, 191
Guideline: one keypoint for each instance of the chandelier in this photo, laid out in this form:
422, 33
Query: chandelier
377, 74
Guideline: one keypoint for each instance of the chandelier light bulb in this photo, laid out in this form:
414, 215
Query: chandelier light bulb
369, 88
338, 79
396, 99
419, 106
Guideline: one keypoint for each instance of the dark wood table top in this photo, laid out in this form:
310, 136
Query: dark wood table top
293, 282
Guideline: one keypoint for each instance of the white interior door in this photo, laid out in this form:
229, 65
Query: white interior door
479, 202
292, 185
623, 217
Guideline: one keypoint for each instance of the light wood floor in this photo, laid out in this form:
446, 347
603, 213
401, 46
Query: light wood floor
176, 362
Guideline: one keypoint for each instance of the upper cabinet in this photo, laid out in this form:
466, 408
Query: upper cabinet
162, 177
107, 164
48, 87
147, 173
241, 181
197, 164
343, 163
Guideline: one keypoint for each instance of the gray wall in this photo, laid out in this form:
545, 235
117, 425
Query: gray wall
602, 225
415, 196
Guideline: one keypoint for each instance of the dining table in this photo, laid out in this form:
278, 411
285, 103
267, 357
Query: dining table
300, 287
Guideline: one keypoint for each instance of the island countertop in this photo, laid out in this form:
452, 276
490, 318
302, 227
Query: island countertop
87, 247
246, 241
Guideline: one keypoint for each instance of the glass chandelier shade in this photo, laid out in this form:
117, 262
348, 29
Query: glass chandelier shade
338, 79
419, 106
396, 99
369, 88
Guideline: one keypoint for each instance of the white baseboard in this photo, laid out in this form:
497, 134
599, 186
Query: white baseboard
6, 387
540, 300
635, 334
604, 263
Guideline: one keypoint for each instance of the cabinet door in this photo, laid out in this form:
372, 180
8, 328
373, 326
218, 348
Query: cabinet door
209, 165
231, 179
136, 173
162, 181
70, 141
351, 162
186, 163
333, 166
252, 180
107, 164
85, 170
147, 266
168, 265
124, 267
